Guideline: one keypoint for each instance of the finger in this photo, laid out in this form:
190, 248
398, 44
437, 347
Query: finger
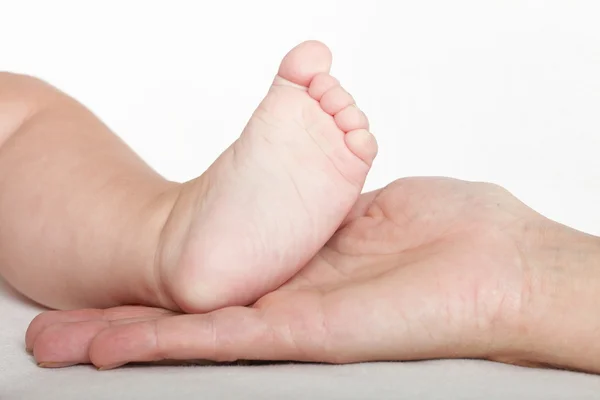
45, 319
67, 343
233, 333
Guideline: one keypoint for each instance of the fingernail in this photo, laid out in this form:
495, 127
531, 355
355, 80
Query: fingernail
110, 366
49, 364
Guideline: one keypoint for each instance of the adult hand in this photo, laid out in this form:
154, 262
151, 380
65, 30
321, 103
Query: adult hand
424, 268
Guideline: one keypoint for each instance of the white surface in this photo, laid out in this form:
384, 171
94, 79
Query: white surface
505, 91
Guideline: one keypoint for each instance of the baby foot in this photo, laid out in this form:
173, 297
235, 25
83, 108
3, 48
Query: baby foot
274, 197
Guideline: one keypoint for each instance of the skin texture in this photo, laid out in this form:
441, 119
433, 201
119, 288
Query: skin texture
279, 192
76, 194
424, 268
107, 230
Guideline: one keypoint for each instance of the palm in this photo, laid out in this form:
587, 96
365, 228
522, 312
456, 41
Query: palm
423, 268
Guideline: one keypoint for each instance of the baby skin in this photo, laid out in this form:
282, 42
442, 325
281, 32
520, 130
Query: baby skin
86, 223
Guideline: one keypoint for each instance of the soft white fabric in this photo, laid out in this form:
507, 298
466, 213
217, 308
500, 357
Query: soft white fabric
20, 378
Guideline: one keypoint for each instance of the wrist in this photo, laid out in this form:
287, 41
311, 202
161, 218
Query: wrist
559, 320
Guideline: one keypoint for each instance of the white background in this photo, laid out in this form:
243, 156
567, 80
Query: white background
502, 91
